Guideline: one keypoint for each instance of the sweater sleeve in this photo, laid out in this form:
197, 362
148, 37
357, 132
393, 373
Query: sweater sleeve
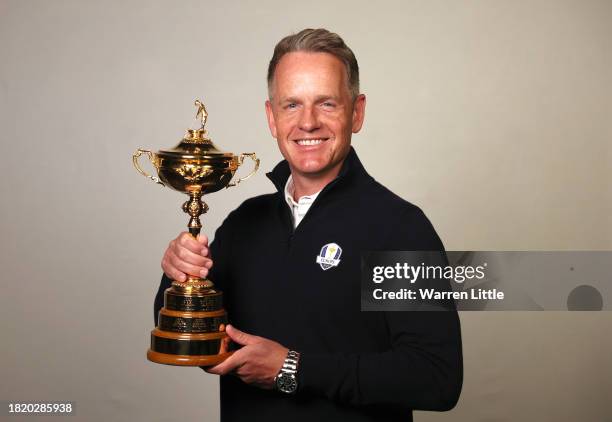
421, 370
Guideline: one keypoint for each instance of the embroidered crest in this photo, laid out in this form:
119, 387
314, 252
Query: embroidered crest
329, 256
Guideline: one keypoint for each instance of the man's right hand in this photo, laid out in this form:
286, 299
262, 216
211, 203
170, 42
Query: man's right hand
187, 256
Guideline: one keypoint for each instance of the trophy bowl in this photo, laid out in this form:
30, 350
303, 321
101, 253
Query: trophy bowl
191, 324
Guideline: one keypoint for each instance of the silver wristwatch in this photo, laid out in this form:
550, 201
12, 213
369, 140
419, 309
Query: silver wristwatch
286, 380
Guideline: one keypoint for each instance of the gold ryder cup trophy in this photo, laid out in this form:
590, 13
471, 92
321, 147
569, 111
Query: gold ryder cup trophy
191, 325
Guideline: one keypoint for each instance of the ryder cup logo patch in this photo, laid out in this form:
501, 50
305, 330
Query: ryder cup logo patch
329, 256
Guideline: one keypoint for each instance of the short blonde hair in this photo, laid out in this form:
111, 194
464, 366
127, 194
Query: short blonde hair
317, 41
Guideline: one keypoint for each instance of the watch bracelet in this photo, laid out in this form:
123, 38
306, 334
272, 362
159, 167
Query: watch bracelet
290, 365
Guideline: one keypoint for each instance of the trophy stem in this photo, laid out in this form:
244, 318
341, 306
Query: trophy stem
195, 207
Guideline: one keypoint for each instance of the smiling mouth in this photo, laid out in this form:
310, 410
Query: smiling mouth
309, 142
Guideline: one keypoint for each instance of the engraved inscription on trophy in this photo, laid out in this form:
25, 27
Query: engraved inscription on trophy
179, 324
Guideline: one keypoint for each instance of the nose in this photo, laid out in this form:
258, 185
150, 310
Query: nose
309, 120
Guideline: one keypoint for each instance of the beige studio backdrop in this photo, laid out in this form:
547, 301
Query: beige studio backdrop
493, 116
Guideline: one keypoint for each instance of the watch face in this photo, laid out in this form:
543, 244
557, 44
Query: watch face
286, 383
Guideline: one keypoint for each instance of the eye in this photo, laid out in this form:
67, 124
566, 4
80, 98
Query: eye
291, 106
329, 104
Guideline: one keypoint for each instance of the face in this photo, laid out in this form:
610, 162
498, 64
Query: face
312, 115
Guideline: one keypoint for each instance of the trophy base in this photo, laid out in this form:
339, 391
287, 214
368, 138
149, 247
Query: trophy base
186, 360
191, 327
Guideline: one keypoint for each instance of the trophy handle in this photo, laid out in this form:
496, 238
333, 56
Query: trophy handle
149, 154
253, 157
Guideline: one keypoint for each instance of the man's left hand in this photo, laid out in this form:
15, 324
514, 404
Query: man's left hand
256, 363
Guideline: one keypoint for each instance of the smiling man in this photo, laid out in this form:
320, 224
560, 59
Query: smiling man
312, 112
289, 265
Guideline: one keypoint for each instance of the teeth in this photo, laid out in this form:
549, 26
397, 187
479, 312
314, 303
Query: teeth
309, 141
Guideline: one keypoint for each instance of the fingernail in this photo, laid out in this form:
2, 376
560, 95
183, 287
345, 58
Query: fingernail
181, 277
204, 251
204, 272
208, 264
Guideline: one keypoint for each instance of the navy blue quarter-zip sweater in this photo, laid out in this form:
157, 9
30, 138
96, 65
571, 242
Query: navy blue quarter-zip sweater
354, 366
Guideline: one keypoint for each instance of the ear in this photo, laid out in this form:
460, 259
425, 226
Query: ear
358, 112
271, 121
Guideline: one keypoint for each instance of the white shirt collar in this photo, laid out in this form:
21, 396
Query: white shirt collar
301, 207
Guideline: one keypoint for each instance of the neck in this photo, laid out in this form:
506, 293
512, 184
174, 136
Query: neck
308, 185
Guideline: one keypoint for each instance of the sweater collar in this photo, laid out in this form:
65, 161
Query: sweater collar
351, 167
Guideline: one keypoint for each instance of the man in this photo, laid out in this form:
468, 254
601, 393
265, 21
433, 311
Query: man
287, 306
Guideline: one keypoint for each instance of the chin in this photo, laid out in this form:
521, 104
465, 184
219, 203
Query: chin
311, 169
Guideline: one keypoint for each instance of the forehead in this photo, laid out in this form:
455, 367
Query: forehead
305, 72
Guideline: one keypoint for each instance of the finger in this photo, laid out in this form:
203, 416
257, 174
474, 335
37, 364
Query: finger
205, 252
232, 373
228, 365
186, 255
241, 337
202, 239
188, 241
186, 267
172, 272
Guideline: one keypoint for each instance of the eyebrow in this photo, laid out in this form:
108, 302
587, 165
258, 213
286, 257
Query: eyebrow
318, 99
289, 100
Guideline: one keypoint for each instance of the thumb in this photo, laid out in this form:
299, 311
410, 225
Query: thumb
202, 238
240, 337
